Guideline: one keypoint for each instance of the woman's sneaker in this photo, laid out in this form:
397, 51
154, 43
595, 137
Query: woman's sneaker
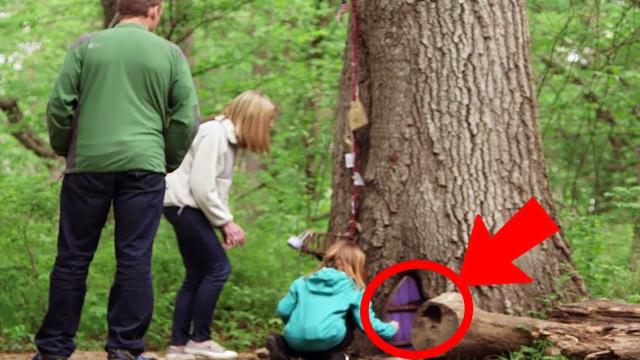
178, 353
209, 349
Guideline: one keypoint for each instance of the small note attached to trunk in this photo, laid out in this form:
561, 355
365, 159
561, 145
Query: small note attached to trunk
350, 160
358, 180
357, 115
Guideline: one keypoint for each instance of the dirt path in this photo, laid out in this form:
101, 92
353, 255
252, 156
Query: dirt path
101, 355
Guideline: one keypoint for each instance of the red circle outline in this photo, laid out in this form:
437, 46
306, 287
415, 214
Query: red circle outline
416, 265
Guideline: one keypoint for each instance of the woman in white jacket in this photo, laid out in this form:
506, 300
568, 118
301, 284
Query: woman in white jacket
196, 202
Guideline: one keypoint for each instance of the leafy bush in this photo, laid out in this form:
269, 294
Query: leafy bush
535, 352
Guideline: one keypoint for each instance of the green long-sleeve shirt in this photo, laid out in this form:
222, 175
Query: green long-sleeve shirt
124, 100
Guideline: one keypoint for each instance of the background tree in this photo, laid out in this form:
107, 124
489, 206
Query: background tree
585, 53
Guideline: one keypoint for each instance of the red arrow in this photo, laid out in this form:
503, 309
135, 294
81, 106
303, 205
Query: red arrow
489, 260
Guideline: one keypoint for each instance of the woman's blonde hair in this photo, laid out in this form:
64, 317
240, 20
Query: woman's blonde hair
252, 113
348, 257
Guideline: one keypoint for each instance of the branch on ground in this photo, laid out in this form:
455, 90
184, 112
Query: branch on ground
26, 136
593, 329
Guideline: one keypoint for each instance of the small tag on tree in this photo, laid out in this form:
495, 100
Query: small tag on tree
349, 145
357, 115
350, 160
358, 180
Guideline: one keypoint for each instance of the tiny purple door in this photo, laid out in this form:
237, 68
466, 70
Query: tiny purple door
405, 301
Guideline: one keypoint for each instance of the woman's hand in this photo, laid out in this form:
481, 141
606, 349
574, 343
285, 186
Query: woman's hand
233, 235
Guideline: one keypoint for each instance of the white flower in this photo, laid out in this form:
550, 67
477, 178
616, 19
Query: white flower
573, 57
31, 47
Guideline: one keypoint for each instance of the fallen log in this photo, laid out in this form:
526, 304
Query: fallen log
597, 329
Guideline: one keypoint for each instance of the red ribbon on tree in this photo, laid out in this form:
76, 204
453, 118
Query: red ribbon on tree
355, 191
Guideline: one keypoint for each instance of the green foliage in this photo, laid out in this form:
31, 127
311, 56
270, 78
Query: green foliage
585, 59
27, 235
535, 352
586, 63
601, 252
35, 37
276, 47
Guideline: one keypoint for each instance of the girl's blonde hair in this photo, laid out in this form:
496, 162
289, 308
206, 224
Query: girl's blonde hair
348, 257
252, 113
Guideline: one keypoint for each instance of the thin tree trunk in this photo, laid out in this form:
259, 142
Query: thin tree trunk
178, 15
634, 263
453, 133
109, 10
311, 165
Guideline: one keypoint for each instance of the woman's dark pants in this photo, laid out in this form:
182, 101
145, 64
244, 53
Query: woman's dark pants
207, 269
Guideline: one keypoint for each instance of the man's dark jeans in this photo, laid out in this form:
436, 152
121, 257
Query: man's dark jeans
85, 201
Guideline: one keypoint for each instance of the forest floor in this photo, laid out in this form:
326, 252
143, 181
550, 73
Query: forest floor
100, 355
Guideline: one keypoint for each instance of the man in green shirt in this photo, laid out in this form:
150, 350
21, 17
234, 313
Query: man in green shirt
123, 112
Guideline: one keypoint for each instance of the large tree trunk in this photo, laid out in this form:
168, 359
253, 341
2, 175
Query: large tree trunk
453, 133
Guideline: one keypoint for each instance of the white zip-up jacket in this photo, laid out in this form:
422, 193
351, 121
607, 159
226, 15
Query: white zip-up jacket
203, 179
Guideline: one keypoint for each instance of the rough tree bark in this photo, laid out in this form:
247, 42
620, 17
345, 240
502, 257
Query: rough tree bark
453, 133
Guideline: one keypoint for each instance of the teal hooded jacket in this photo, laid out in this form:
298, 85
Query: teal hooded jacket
316, 308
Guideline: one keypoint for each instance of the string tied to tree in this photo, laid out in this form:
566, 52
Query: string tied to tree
357, 119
